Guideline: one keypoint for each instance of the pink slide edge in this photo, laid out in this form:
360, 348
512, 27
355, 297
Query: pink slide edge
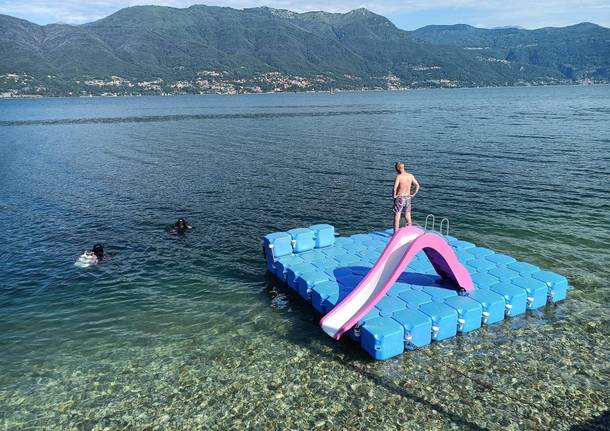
456, 271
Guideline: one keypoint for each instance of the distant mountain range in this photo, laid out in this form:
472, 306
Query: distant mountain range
578, 52
205, 49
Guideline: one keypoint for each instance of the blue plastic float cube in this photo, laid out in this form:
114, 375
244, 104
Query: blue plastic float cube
492, 303
319, 263
370, 262
342, 272
302, 239
503, 274
281, 242
360, 271
276, 244
354, 332
515, 298
450, 239
355, 247
484, 280
307, 280
347, 260
480, 265
382, 337
398, 288
344, 241
367, 255
429, 269
420, 267
523, 268
370, 259
293, 272
285, 262
378, 245
344, 291
359, 237
469, 312
334, 251
444, 319
537, 291
500, 259
324, 235
327, 265
331, 301
320, 294
480, 252
557, 284
368, 316
380, 234
462, 245
463, 255
388, 305
312, 255
415, 298
417, 280
370, 243
439, 292
417, 327
349, 281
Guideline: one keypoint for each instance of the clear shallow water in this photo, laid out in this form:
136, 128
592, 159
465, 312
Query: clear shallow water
190, 333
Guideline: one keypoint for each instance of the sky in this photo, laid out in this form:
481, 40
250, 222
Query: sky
405, 14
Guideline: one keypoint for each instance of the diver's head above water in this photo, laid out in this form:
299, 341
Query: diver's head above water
91, 257
182, 225
98, 251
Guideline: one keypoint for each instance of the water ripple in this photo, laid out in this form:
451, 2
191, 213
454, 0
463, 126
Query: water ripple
182, 117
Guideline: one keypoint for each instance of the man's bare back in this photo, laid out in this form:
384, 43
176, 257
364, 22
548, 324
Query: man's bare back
402, 194
403, 184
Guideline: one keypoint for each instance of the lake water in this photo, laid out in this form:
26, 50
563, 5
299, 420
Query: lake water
189, 332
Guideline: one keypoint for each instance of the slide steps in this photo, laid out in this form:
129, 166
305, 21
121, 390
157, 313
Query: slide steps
420, 307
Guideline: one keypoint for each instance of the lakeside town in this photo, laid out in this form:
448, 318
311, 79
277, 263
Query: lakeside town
21, 85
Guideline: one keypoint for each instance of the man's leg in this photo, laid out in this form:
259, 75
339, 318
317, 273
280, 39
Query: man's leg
408, 211
396, 221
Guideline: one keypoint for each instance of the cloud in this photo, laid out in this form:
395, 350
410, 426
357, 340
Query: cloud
487, 13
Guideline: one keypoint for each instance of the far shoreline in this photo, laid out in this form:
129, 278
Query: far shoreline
334, 91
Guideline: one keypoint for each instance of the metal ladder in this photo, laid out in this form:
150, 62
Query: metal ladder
431, 220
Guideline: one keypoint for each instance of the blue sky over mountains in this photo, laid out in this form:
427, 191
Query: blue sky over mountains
406, 14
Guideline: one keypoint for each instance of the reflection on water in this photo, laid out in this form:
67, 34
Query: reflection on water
189, 332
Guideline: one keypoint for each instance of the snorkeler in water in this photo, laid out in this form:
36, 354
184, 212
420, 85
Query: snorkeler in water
92, 257
98, 251
181, 226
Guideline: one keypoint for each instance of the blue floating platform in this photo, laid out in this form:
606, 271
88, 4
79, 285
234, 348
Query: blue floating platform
323, 268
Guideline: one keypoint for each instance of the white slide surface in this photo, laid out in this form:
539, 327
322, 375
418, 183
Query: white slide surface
345, 315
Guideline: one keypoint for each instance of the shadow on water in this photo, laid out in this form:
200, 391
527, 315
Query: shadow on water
347, 351
406, 394
598, 423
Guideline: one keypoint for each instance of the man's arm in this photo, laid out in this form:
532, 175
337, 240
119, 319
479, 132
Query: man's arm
395, 189
416, 186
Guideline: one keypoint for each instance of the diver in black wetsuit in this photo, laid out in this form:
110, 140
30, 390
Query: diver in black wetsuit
98, 251
181, 226
92, 257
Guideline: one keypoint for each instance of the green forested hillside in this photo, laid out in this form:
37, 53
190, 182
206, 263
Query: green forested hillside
577, 52
202, 49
